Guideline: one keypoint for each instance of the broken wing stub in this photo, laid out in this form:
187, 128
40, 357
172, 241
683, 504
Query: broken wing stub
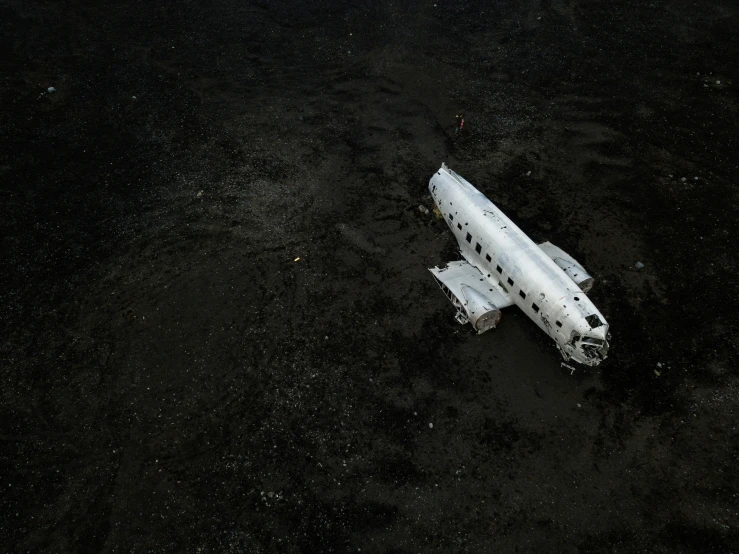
569, 265
476, 300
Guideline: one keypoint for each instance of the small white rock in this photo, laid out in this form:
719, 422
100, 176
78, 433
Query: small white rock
51, 90
431, 425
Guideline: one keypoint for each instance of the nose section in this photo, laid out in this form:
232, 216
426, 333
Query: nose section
601, 333
594, 349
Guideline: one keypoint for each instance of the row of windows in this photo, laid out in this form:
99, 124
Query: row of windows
478, 249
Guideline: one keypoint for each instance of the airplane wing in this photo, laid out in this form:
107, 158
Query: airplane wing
460, 276
569, 265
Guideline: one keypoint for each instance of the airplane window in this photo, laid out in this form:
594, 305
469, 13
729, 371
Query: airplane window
558, 324
510, 281
469, 237
536, 308
497, 267
594, 321
451, 217
522, 294
478, 248
488, 258
459, 226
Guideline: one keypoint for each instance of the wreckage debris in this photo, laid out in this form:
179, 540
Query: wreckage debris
572, 369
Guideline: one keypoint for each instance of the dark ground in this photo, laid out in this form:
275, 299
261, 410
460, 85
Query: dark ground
173, 381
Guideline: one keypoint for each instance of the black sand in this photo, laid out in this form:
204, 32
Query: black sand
172, 380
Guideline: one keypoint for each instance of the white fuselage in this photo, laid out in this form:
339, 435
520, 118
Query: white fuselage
510, 260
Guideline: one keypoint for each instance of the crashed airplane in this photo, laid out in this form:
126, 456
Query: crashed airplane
503, 267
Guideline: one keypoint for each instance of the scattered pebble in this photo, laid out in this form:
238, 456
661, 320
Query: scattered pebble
657, 373
431, 425
579, 405
51, 90
528, 174
659, 364
639, 265
718, 82
199, 194
297, 259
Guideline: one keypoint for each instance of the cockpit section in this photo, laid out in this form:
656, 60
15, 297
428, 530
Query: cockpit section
590, 348
594, 349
